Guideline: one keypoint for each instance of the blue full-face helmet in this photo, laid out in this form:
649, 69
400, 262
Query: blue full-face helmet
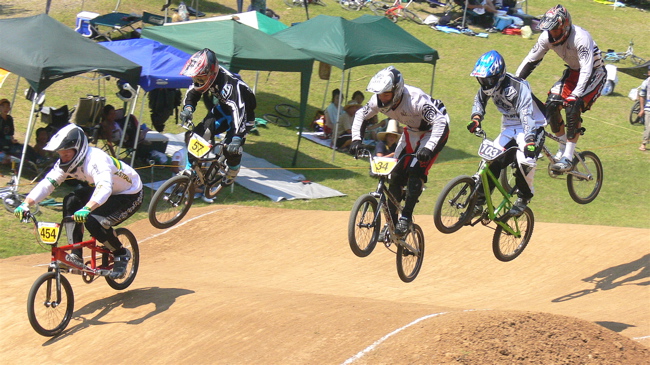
490, 70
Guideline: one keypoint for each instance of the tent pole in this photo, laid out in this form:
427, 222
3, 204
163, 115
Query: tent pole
117, 6
464, 14
257, 77
338, 111
347, 88
327, 86
30, 127
13, 100
137, 132
433, 74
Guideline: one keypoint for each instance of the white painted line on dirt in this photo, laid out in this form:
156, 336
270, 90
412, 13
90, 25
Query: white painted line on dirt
378, 342
640, 338
181, 224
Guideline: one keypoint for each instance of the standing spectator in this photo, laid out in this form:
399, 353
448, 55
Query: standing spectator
644, 103
332, 112
580, 85
387, 141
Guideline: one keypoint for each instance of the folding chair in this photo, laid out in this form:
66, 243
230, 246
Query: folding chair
154, 19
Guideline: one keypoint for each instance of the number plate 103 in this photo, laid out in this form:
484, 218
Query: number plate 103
489, 151
48, 232
382, 165
198, 146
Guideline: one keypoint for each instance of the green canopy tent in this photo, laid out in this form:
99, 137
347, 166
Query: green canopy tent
239, 47
365, 40
43, 51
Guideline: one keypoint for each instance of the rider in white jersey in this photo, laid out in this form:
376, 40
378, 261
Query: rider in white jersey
581, 83
426, 132
113, 195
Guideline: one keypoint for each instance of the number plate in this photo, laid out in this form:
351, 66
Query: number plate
198, 146
382, 165
489, 151
48, 232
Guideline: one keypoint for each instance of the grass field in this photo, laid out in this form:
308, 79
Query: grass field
622, 201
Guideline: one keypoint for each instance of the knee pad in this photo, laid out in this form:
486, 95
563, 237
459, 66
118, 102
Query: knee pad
573, 120
414, 186
553, 115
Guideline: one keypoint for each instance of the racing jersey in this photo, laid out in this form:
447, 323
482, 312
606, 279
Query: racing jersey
579, 51
233, 94
514, 100
108, 175
418, 111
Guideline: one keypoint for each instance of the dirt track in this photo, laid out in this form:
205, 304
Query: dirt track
286, 289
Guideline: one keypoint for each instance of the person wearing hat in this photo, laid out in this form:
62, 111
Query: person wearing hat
344, 127
387, 141
644, 103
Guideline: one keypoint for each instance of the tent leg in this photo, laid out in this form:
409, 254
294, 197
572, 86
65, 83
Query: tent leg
327, 86
464, 14
137, 132
257, 77
338, 111
13, 100
433, 74
30, 127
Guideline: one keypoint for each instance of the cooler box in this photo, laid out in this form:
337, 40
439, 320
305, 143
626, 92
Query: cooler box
83, 24
158, 141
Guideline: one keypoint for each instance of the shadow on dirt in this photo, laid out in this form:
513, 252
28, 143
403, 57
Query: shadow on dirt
92, 313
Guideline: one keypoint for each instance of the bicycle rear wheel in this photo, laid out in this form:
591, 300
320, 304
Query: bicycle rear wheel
49, 313
454, 205
378, 7
287, 110
171, 202
634, 114
294, 3
351, 5
276, 119
582, 190
363, 226
638, 61
130, 243
506, 246
409, 262
12, 200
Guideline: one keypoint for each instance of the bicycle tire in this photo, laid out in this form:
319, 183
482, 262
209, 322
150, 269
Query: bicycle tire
410, 15
178, 202
608, 88
507, 177
634, 114
636, 60
12, 200
454, 204
410, 263
584, 191
276, 119
293, 3
213, 181
363, 225
287, 110
129, 242
507, 247
378, 8
352, 5
47, 317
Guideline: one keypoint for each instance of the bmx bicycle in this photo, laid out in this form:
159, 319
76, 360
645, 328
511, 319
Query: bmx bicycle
364, 224
584, 180
456, 206
50, 302
175, 196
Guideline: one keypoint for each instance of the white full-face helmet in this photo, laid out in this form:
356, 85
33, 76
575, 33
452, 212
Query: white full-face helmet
387, 80
69, 137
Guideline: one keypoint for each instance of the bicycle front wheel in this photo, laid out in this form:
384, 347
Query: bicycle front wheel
294, 3
410, 15
454, 205
130, 243
363, 226
506, 246
378, 8
171, 202
351, 5
49, 310
411, 255
634, 114
276, 119
584, 190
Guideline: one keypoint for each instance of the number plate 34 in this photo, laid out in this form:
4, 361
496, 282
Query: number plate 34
382, 165
489, 151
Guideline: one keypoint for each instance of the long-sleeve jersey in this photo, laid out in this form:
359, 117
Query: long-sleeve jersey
233, 94
418, 111
109, 176
644, 92
579, 52
514, 100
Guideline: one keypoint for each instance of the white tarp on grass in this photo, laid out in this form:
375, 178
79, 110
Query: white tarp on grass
261, 176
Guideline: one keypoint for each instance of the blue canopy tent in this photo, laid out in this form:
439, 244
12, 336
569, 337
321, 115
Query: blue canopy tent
161, 66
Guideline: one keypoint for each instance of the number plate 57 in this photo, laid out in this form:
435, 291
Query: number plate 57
198, 146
